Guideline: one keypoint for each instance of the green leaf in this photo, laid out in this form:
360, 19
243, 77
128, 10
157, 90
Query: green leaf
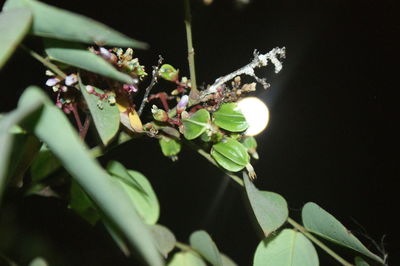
82, 204
54, 129
202, 243
105, 119
230, 154
165, 239
229, 117
118, 170
7, 138
44, 164
196, 124
288, 248
226, 261
169, 146
186, 258
139, 190
168, 72
53, 22
270, 209
14, 25
75, 54
360, 262
322, 223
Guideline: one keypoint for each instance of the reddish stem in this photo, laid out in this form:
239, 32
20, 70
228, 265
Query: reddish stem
84, 130
74, 110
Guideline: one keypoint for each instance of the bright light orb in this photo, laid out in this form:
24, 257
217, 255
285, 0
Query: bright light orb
256, 113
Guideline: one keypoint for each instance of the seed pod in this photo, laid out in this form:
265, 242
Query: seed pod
230, 154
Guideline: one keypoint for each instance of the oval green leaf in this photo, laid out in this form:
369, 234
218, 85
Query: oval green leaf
165, 239
186, 258
196, 124
230, 154
14, 25
288, 248
168, 72
205, 246
74, 54
269, 208
322, 223
229, 117
169, 146
51, 126
53, 22
106, 119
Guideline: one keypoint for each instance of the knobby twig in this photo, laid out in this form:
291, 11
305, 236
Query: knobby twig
259, 60
153, 82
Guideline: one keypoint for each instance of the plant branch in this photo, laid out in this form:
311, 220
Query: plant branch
259, 60
44, 61
318, 243
153, 82
188, 26
290, 220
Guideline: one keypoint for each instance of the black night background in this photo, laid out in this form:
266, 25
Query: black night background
332, 137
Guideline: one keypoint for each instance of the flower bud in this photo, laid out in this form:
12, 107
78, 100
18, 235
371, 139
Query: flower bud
89, 89
71, 80
111, 99
105, 53
52, 82
159, 114
182, 104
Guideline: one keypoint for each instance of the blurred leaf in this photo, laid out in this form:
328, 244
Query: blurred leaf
269, 208
38, 262
77, 55
24, 151
106, 119
41, 189
288, 248
165, 239
138, 189
169, 146
322, 223
229, 117
44, 164
168, 72
230, 154
186, 258
202, 243
118, 170
7, 139
82, 204
360, 262
53, 22
55, 130
117, 237
196, 124
226, 261
14, 25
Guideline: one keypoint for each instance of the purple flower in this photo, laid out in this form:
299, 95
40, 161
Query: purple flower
71, 80
52, 81
130, 88
182, 103
105, 53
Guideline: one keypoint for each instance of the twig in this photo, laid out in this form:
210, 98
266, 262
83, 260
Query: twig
259, 60
188, 26
44, 61
84, 130
153, 82
290, 220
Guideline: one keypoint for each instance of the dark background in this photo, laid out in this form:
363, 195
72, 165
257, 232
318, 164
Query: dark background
332, 136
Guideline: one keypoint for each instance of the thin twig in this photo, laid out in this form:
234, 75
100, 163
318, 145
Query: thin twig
153, 82
44, 61
83, 132
188, 26
291, 221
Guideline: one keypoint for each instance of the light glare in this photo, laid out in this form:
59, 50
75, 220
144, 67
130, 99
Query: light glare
256, 113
